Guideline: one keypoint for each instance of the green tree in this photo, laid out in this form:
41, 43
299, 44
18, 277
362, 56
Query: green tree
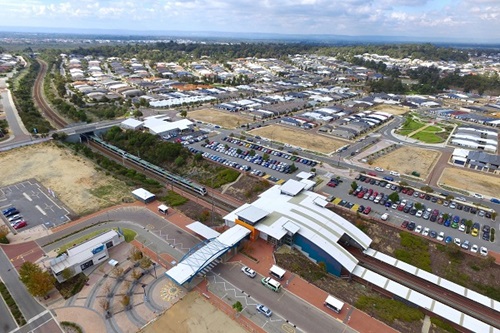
427, 189
37, 282
183, 113
418, 206
394, 197
4, 231
145, 263
354, 185
179, 161
238, 306
67, 273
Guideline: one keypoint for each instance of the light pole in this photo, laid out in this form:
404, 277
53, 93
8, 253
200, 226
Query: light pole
154, 268
144, 289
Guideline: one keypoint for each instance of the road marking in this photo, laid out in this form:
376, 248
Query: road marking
41, 210
27, 196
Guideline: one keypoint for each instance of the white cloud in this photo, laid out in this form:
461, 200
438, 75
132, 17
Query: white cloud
352, 17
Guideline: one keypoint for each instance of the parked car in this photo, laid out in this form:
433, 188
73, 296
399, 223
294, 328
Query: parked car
264, 310
20, 224
367, 210
457, 241
495, 200
418, 228
426, 231
248, 271
448, 240
384, 217
379, 169
440, 236
483, 251
8, 210
11, 213
411, 226
433, 234
474, 248
465, 245
405, 224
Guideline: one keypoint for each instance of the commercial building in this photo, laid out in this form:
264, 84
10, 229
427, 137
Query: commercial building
80, 257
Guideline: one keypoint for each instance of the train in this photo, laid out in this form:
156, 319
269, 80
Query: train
175, 179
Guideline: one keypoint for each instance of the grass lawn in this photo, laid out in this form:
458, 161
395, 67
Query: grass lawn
80, 240
412, 125
129, 234
427, 137
433, 129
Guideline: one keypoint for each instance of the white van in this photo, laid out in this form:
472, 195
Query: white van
271, 284
277, 272
334, 304
394, 173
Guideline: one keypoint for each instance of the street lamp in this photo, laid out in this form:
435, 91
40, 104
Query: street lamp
154, 268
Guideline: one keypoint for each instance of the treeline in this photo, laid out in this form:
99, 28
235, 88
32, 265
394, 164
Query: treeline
177, 52
430, 81
148, 146
379, 66
31, 117
413, 51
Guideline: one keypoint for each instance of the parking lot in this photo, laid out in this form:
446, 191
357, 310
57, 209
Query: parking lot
432, 215
252, 157
36, 204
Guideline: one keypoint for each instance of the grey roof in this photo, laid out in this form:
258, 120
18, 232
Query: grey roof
483, 157
292, 187
252, 214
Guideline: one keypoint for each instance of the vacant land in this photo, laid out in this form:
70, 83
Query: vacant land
408, 159
216, 117
392, 109
193, 314
299, 138
74, 179
475, 182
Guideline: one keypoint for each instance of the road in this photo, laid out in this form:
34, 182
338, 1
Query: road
29, 307
16, 126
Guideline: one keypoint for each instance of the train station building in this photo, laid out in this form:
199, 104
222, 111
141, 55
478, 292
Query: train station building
291, 215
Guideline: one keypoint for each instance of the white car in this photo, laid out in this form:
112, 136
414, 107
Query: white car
440, 236
483, 251
461, 199
477, 195
461, 227
474, 248
384, 217
248, 271
394, 173
419, 213
418, 228
264, 310
379, 169
426, 231
457, 241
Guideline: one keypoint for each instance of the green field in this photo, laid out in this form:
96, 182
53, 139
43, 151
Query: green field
427, 137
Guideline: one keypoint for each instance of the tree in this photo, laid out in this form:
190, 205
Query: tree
354, 185
418, 206
183, 113
394, 197
145, 263
37, 281
427, 189
135, 254
4, 231
67, 273
237, 306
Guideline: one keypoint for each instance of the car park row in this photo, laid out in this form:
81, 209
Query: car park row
14, 218
419, 210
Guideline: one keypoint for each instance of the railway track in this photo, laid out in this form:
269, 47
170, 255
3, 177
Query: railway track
222, 204
44, 107
448, 297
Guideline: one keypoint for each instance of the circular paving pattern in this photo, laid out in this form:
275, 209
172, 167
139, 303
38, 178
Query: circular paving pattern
169, 291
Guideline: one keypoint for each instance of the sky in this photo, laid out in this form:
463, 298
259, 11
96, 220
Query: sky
467, 19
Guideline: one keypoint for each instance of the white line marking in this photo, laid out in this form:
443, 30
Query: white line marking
27, 196
41, 210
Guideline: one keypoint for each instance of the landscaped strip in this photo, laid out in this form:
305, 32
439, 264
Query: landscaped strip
16, 313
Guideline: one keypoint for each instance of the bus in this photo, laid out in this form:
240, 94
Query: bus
277, 272
271, 284
334, 304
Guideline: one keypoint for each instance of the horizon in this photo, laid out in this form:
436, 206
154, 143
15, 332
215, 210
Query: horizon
468, 21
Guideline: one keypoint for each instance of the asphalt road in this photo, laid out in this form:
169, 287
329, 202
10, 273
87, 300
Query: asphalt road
27, 304
15, 125
286, 307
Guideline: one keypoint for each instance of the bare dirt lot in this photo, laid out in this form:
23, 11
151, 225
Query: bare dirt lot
217, 117
300, 138
476, 182
74, 179
191, 315
392, 109
408, 159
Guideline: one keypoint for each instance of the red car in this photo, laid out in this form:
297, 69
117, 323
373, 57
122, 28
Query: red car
404, 225
367, 210
20, 224
404, 190
361, 194
410, 192
372, 174
331, 184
